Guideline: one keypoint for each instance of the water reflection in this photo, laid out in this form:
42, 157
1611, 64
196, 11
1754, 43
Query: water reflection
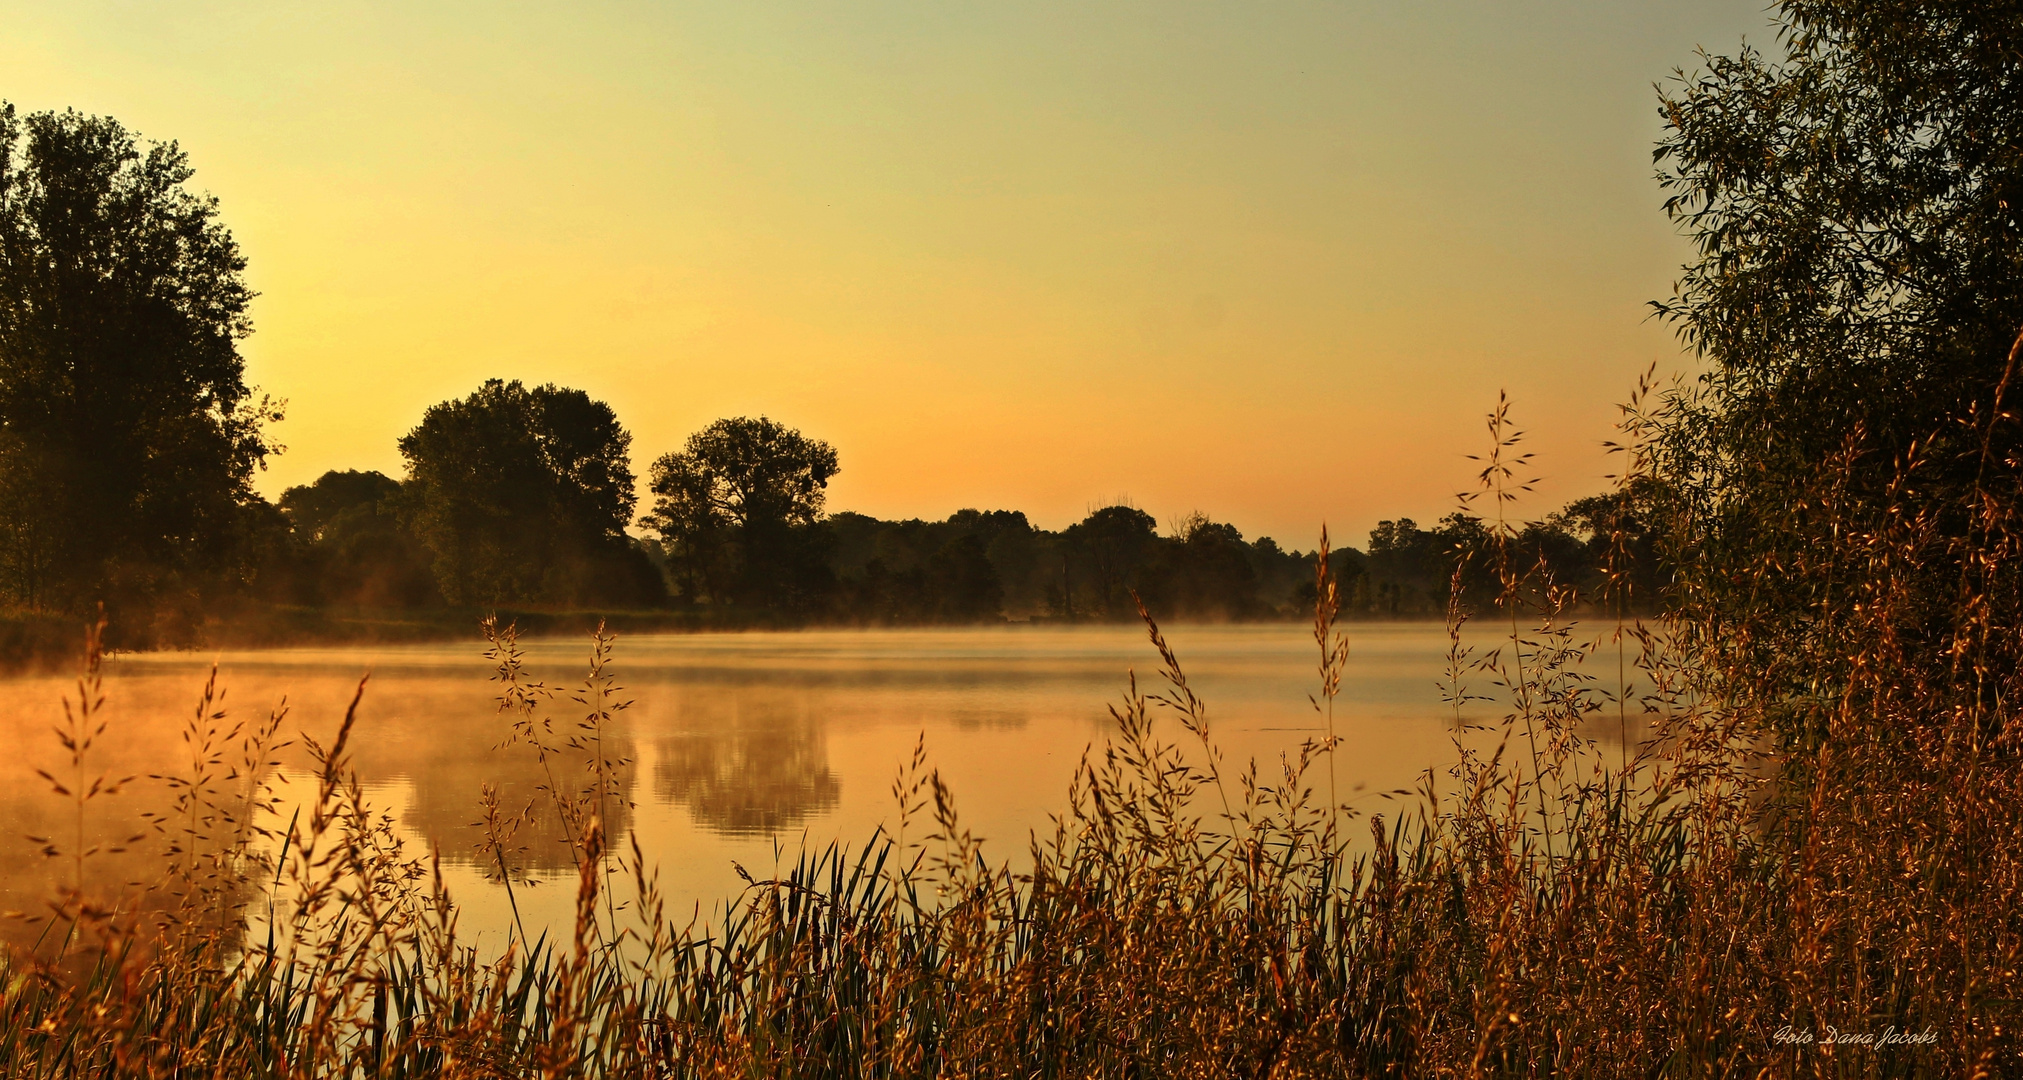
749, 762
446, 781
737, 746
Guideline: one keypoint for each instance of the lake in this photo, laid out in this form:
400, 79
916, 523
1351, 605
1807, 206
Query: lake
742, 747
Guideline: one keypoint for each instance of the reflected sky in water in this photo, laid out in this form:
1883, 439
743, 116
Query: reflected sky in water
740, 747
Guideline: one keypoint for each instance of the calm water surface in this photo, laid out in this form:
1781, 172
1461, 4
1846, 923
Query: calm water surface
740, 745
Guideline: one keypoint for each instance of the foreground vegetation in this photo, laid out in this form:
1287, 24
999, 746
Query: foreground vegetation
1796, 856
1716, 892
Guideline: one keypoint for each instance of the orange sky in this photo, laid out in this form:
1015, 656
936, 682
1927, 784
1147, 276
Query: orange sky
1268, 260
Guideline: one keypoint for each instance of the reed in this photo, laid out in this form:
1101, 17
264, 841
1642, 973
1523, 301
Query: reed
1794, 835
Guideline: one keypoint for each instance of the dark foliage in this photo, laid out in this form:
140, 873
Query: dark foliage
351, 548
1106, 554
914, 571
1857, 206
1411, 572
736, 510
1204, 571
900, 572
523, 495
128, 435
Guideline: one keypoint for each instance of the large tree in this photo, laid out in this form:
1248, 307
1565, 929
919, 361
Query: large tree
1205, 570
128, 435
737, 508
1856, 208
350, 547
1857, 205
1108, 550
523, 495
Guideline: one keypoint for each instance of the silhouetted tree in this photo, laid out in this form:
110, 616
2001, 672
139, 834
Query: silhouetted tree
524, 495
128, 435
959, 570
1204, 571
881, 568
1408, 575
1021, 556
1622, 571
1106, 551
963, 582
1411, 570
1857, 209
351, 547
1292, 573
898, 572
314, 508
737, 508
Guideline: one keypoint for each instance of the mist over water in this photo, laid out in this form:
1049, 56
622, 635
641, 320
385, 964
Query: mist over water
741, 747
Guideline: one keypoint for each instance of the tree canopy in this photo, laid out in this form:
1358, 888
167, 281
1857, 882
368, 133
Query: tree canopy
1110, 546
314, 508
350, 546
523, 495
1855, 206
1857, 209
128, 435
737, 506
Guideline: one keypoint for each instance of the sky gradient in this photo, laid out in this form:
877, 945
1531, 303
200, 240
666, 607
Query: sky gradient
1271, 261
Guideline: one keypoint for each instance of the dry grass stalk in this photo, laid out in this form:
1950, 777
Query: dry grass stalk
1795, 832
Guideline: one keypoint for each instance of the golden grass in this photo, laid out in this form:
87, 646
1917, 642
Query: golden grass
1717, 896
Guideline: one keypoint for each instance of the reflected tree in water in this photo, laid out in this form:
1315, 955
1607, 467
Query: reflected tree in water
749, 777
446, 762
448, 784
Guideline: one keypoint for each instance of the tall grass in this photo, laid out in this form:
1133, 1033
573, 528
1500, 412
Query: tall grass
1721, 892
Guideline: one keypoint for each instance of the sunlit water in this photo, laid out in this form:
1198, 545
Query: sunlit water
740, 746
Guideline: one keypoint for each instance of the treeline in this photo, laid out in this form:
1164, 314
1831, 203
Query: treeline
519, 497
129, 440
980, 565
